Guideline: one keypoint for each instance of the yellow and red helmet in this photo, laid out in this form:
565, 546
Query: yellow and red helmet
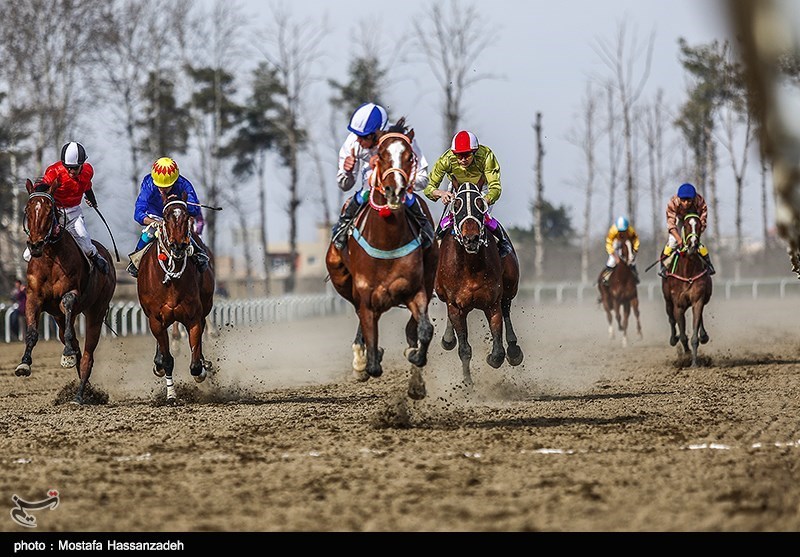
165, 172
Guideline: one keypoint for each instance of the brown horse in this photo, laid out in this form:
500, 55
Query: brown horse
384, 265
63, 283
172, 290
620, 295
687, 285
472, 275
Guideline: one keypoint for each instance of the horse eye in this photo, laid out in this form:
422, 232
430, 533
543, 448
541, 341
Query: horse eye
457, 204
480, 203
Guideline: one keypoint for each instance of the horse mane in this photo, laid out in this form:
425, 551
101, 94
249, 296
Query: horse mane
399, 126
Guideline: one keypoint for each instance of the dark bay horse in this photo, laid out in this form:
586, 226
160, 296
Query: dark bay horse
472, 275
687, 285
172, 290
620, 295
63, 283
384, 265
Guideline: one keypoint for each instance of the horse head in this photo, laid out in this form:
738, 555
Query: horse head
395, 169
176, 227
468, 212
41, 222
691, 233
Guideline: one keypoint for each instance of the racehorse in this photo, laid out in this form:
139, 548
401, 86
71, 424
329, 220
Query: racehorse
687, 285
63, 283
620, 295
172, 290
384, 265
472, 275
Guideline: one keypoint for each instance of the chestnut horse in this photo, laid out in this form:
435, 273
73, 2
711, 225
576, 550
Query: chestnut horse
63, 283
620, 295
384, 265
472, 275
687, 284
172, 290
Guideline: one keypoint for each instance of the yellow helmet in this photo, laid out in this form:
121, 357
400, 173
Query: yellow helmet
165, 172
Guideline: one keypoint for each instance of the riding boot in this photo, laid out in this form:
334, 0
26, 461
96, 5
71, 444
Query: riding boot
707, 261
425, 227
132, 270
200, 257
504, 246
635, 272
662, 266
606, 274
340, 229
99, 262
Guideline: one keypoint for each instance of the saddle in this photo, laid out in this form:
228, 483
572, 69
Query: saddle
136, 256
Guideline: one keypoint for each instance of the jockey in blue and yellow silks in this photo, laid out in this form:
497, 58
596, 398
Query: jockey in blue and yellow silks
619, 232
469, 161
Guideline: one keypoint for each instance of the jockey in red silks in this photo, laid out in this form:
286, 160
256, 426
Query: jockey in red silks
355, 168
468, 161
75, 176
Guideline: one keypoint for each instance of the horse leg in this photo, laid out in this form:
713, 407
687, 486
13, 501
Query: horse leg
635, 307
163, 362
369, 329
93, 330
71, 347
609, 318
513, 351
697, 319
680, 317
359, 357
32, 313
418, 355
449, 336
196, 367
626, 312
495, 318
673, 336
703, 334
458, 320
175, 338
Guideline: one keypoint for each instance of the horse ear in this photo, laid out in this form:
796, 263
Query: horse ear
410, 134
29, 185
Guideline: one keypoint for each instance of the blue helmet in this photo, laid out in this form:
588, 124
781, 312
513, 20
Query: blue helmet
367, 119
622, 224
687, 191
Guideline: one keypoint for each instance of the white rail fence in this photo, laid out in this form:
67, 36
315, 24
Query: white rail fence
127, 318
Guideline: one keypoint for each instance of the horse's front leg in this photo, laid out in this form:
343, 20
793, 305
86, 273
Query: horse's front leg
163, 362
32, 312
458, 320
495, 318
359, 356
635, 308
449, 336
673, 336
626, 313
196, 367
369, 329
513, 351
419, 310
680, 317
94, 325
71, 346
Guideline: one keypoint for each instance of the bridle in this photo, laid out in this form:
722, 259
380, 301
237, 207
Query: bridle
467, 205
54, 233
174, 261
379, 177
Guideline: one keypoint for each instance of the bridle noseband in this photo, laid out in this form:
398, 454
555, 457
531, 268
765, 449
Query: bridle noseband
469, 204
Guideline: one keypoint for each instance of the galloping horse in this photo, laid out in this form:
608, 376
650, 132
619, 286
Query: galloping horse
384, 265
172, 290
63, 283
687, 285
620, 294
471, 275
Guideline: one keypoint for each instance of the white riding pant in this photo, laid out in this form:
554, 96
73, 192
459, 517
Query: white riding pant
612, 261
76, 225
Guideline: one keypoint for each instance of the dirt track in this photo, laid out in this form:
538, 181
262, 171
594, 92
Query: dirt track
583, 436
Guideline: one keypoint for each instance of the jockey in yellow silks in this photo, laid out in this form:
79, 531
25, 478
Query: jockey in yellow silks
620, 232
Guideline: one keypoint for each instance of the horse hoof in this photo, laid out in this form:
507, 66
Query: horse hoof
514, 355
448, 345
69, 361
23, 370
158, 372
673, 341
375, 372
360, 375
495, 362
416, 357
200, 377
704, 339
208, 366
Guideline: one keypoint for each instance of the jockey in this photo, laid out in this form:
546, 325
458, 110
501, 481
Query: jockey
469, 161
164, 177
355, 168
686, 201
75, 176
619, 233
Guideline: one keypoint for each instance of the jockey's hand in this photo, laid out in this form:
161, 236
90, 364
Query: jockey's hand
373, 161
445, 196
350, 161
89, 203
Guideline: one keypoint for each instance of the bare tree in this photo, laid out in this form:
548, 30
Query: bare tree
654, 126
538, 203
452, 37
293, 51
621, 59
586, 140
614, 147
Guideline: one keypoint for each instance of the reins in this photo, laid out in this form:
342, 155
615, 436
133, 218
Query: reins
168, 264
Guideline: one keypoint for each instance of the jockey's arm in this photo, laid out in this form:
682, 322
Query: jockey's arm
435, 178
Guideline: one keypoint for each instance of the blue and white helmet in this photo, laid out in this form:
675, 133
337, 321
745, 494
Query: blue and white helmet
622, 224
367, 119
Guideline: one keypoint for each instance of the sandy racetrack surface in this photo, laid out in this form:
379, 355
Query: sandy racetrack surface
583, 436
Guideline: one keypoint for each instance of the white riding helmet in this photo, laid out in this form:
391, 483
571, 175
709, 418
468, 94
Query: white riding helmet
622, 224
367, 119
